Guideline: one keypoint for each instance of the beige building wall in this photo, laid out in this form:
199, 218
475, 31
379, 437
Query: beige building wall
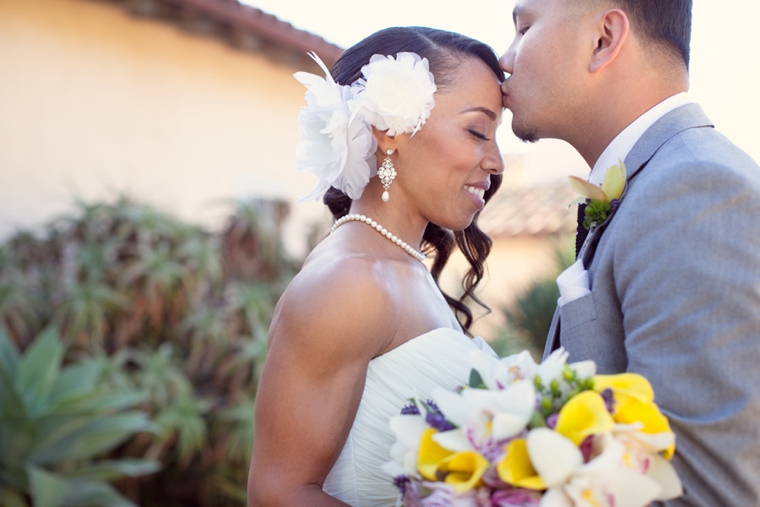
94, 101
512, 267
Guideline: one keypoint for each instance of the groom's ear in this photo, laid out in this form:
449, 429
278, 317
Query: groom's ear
611, 31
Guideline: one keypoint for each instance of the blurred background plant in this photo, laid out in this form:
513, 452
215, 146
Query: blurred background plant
149, 309
529, 317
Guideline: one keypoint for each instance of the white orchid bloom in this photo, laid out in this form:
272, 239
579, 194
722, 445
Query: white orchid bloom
484, 417
553, 366
408, 430
604, 481
642, 455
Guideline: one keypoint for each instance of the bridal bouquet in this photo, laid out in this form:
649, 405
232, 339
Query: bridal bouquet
522, 434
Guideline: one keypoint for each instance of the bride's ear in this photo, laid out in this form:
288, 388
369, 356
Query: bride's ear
384, 141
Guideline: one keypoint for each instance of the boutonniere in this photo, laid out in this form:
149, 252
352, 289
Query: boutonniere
601, 202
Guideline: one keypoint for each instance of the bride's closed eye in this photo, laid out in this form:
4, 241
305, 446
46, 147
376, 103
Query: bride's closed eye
478, 135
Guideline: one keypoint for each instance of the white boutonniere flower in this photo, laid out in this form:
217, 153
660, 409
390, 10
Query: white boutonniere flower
397, 93
338, 145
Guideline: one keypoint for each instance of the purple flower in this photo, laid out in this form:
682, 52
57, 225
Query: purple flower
609, 400
410, 409
516, 497
551, 421
438, 422
412, 496
436, 419
401, 483
587, 447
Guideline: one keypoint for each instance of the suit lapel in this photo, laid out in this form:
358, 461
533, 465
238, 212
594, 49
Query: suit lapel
671, 124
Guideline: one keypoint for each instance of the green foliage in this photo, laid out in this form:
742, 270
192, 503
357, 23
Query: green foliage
596, 211
56, 423
174, 317
529, 318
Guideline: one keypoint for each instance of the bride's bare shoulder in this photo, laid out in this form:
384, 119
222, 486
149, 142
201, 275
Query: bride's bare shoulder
339, 299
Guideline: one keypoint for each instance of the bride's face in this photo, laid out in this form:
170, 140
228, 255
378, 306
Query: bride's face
445, 168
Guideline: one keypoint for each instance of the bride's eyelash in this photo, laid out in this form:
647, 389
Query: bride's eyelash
478, 135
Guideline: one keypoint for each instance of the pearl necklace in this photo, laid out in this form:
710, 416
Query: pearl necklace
382, 230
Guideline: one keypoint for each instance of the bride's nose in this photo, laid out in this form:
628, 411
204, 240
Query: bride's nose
493, 163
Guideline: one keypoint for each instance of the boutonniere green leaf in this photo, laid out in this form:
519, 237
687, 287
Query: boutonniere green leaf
602, 201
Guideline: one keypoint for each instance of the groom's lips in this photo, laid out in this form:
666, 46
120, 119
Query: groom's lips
504, 94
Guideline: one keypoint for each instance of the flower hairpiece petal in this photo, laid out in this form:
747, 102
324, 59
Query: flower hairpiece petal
337, 143
397, 93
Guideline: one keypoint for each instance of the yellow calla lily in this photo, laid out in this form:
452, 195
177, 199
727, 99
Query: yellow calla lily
624, 386
650, 416
430, 456
614, 181
634, 402
586, 189
612, 186
583, 415
516, 468
464, 470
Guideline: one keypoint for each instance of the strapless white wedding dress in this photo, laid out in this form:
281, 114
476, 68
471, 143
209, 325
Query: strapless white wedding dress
435, 359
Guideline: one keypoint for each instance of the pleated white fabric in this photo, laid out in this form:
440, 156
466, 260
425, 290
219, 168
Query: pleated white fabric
435, 359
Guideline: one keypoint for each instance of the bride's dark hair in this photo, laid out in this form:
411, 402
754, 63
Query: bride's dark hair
444, 51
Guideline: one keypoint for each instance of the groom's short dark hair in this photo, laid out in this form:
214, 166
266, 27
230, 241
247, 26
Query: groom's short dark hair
664, 23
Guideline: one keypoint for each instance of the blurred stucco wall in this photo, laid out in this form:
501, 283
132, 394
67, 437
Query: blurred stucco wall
94, 102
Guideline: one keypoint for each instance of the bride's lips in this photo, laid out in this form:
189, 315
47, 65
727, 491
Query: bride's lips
476, 192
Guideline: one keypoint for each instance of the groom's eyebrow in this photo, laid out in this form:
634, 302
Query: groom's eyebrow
484, 110
516, 12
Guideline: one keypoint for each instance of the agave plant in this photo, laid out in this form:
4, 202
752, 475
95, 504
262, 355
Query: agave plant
57, 424
156, 306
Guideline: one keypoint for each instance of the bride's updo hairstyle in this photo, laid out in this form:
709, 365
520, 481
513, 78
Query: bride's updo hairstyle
445, 51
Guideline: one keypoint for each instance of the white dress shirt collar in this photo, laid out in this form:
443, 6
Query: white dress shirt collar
623, 143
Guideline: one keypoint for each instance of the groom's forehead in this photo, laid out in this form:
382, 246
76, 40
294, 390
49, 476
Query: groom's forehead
525, 8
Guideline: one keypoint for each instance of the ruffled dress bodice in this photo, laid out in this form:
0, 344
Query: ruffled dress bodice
438, 358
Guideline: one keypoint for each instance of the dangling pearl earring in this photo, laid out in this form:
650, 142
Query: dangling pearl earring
387, 173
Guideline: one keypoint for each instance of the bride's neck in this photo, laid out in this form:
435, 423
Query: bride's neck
396, 217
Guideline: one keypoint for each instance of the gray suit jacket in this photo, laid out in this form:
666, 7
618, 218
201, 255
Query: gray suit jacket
675, 296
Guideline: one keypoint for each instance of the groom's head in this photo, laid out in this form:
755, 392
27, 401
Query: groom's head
571, 60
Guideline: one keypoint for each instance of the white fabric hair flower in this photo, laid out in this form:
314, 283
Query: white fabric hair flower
338, 145
397, 93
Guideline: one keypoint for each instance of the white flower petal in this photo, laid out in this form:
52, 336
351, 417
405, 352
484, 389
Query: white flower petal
507, 425
553, 456
453, 440
485, 365
337, 143
393, 469
408, 429
665, 475
584, 369
552, 366
453, 406
555, 497
397, 93
518, 398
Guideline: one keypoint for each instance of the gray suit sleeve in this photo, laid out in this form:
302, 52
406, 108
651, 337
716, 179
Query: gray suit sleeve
687, 272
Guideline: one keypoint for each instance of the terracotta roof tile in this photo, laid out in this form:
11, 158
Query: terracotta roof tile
242, 25
529, 211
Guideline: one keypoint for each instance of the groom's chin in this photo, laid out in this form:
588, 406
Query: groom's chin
526, 136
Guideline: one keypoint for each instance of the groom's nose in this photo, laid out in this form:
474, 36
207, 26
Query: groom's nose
507, 61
